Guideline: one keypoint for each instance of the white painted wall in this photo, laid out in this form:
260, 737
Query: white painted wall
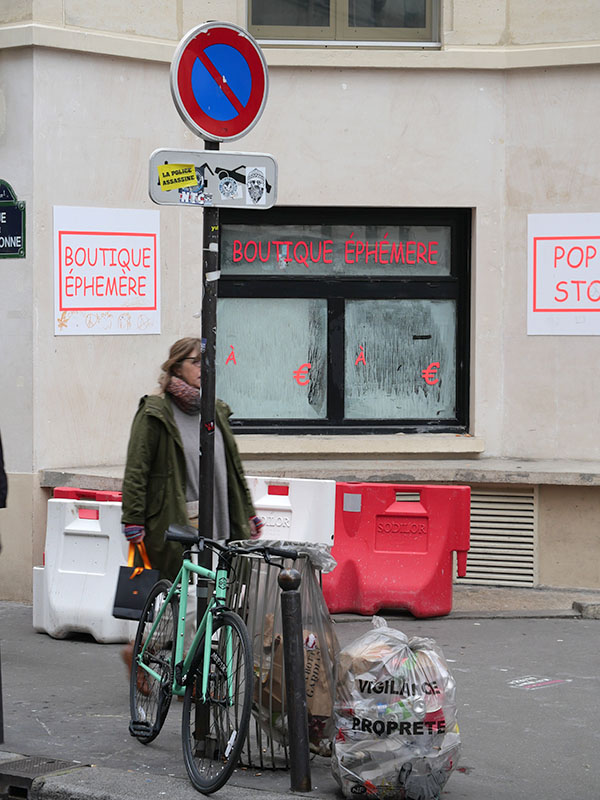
506, 144
464, 22
17, 275
550, 392
107, 115
79, 119
519, 22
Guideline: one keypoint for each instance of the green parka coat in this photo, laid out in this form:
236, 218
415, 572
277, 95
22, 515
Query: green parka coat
154, 484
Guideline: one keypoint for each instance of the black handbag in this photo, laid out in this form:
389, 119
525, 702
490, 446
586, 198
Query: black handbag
133, 585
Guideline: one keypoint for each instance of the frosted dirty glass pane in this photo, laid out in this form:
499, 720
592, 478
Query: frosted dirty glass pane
261, 345
388, 345
349, 250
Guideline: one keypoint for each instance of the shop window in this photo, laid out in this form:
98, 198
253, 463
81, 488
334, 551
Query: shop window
344, 20
344, 319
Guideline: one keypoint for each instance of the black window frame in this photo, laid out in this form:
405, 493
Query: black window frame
337, 289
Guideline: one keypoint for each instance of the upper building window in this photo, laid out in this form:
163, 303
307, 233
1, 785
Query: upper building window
369, 21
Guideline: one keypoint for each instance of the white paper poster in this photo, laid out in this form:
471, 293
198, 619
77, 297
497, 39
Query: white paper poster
563, 297
106, 271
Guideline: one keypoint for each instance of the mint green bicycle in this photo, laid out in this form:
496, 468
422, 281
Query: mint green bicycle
215, 677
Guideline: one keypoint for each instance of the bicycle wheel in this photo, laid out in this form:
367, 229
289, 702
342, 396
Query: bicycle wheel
213, 732
149, 698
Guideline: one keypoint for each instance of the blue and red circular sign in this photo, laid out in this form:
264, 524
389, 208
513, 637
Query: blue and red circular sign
219, 81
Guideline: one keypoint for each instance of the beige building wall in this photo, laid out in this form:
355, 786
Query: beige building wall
519, 22
501, 119
552, 165
568, 527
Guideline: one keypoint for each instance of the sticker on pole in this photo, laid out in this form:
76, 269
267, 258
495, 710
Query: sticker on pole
175, 176
219, 81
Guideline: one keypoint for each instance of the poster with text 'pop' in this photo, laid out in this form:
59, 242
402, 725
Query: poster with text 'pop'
563, 274
106, 271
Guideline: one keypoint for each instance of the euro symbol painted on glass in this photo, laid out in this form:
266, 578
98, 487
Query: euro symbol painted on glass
430, 374
301, 374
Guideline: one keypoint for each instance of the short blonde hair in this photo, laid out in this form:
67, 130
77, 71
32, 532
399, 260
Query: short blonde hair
179, 351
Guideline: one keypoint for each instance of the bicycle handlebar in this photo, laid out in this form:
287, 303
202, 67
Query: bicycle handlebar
188, 536
268, 550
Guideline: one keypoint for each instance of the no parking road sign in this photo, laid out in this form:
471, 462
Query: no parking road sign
219, 81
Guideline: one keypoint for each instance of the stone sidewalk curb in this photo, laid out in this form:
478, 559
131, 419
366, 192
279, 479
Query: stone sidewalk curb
587, 610
551, 613
103, 783
532, 613
89, 782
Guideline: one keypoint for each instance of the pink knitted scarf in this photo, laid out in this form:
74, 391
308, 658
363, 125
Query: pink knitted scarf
185, 396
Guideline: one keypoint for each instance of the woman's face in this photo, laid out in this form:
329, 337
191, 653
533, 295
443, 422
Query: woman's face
189, 369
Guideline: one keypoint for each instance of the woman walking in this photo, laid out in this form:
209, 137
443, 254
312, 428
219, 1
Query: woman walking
160, 485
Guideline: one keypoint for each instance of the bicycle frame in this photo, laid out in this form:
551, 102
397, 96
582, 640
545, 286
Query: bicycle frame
182, 665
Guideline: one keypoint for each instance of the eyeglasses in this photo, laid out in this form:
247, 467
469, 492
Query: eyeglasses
197, 362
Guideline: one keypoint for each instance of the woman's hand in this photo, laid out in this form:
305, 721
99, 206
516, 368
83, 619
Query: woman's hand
134, 533
256, 526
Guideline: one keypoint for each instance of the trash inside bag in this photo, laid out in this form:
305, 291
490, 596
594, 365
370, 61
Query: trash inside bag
397, 734
320, 654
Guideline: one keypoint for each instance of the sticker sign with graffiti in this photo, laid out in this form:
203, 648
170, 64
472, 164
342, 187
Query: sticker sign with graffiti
213, 178
106, 271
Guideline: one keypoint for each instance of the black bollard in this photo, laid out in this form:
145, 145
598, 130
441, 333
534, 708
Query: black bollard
295, 687
1, 710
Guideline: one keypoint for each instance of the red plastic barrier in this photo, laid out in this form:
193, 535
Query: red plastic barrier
69, 493
396, 553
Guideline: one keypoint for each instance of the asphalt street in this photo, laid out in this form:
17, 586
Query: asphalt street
527, 692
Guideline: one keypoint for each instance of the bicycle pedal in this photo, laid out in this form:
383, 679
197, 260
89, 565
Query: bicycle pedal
138, 729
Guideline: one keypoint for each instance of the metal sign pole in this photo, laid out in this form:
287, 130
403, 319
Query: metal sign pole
221, 105
211, 271
211, 264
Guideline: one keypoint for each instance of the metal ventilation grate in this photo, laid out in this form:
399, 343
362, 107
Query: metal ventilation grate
16, 777
503, 538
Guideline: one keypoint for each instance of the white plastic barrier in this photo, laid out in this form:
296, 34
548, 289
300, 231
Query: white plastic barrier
294, 509
74, 591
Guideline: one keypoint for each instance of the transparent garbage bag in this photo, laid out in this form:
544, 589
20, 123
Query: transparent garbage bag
321, 648
395, 717
317, 553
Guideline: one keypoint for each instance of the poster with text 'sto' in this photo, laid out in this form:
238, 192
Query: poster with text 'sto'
563, 296
106, 271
